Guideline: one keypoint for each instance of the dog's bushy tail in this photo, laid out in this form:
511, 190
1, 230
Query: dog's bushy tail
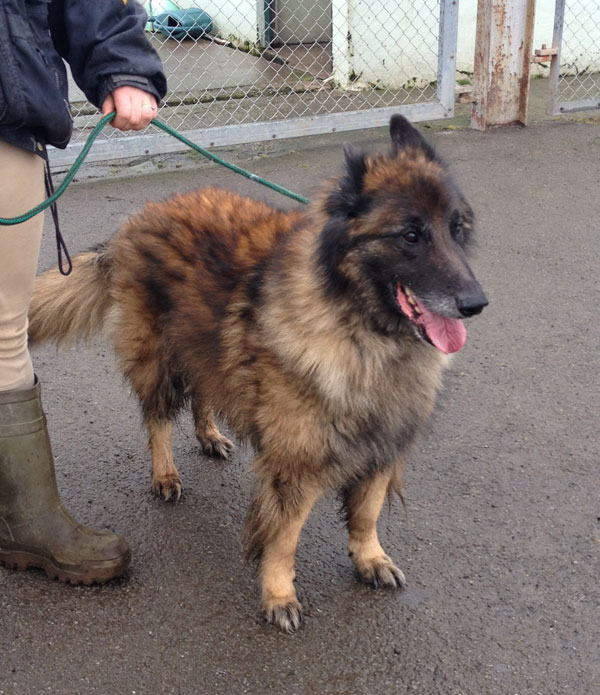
66, 309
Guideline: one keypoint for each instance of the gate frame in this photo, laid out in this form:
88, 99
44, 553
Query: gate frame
151, 144
556, 107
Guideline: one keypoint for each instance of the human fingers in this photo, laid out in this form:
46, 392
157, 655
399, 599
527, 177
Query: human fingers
141, 107
122, 101
108, 105
147, 107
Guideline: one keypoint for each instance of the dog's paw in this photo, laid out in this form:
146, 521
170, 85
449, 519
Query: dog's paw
169, 487
287, 616
216, 445
381, 572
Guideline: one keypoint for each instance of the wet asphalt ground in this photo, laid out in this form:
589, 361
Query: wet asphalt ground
500, 537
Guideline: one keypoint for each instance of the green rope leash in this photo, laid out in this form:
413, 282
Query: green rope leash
233, 167
167, 129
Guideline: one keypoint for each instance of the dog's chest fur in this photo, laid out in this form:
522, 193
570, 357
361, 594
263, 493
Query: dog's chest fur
345, 396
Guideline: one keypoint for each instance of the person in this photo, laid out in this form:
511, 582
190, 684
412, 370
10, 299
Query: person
114, 64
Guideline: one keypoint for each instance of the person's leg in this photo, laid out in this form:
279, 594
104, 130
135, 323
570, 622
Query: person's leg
35, 528
21, 187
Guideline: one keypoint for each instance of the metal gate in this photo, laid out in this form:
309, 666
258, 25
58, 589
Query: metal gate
575, 66
256, 75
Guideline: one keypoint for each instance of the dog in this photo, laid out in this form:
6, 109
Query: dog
319, 337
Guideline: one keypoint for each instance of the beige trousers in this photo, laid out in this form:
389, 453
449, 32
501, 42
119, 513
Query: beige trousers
21, 187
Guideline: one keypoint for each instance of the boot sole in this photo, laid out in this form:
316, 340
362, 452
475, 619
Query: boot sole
21, 561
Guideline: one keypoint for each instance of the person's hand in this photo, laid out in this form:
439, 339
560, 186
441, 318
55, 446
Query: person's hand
135, 108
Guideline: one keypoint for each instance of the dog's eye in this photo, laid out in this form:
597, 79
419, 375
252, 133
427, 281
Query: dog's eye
413, 230
411, 236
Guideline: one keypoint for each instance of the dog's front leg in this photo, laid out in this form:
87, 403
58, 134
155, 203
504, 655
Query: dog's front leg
166, 482
213, 443
275, 519
362, 503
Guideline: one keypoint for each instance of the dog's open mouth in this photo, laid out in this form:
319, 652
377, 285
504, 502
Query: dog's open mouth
447, 335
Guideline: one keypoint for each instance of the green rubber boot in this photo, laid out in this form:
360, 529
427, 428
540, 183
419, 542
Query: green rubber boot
35, 528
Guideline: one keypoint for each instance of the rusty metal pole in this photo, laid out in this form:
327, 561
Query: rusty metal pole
503, 46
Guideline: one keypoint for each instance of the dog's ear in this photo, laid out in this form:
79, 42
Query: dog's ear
356, 168
348, 198
405, 136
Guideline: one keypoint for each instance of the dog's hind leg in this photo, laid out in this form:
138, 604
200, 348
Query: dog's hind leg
165, 479
156, 381
275, 519
362, 504
212, 442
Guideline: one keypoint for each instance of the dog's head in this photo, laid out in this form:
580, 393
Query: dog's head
396, 238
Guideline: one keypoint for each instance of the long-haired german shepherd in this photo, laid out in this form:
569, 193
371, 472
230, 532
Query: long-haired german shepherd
319, 337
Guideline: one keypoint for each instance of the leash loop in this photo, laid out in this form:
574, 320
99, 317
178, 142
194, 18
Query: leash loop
61, 247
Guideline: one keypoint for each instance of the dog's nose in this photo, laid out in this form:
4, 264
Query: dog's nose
472, 304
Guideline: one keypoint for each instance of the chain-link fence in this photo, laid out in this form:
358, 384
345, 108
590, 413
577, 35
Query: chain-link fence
575, 71
251, 70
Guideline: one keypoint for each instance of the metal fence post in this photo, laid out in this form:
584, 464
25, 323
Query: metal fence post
559, 17
447, 55
503, 44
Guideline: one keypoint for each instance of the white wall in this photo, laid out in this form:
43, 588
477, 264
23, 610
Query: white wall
393, 40
385, 42
237, 18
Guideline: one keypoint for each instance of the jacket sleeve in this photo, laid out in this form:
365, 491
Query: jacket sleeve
105, 46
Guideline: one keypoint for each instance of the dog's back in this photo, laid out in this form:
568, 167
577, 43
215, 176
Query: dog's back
193, 248
207, 239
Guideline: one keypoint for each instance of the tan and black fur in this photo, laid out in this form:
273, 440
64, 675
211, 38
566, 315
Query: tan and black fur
286, 326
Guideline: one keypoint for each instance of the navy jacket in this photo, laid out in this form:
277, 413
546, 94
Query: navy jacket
102, 40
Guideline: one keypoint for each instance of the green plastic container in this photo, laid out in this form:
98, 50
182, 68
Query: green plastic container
154, 7
182, 24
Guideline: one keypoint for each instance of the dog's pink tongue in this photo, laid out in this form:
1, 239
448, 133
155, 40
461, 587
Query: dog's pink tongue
448, 335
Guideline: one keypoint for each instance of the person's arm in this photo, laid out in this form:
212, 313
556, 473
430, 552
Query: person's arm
110, 57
